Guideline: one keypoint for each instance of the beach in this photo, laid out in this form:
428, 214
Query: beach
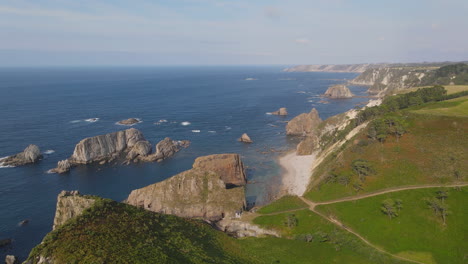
297, 172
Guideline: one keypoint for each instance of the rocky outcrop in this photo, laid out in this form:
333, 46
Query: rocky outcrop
62, 167
10, 259
303, 124
104, 147
206, 191
281, 112
128, 145
338, 92
31, 154
5, 242
245, 138
129, 122
70, 204
307, 146
240, 228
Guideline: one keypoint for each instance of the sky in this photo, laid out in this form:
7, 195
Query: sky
231, 32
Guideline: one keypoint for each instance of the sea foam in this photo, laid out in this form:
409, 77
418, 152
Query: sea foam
185, 123
196, 131
92, 120
49, 151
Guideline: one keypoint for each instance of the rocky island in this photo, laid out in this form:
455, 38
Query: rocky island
128, 145
129, 122
245, 138
281, 112
303, 124
338, 92
31, 154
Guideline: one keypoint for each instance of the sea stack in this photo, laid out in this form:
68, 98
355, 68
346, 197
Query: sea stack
212, 190
31, 154
338, 91
303, 124
281, 112
245, 138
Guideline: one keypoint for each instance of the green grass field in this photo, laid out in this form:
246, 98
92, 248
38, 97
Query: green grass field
416, 233
282, 204
451, 89
432, 152
454, 107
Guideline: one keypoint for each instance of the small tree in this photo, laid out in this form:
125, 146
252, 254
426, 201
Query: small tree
362, 168
398, 204
442, 195
290, 221
388, 208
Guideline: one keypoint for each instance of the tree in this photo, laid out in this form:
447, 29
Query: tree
388, 208
442, 195
362, 168
290, 221
439, 208
398, 204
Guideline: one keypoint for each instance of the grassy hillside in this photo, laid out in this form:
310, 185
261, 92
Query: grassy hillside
282, 204
312, 240
431, 151
416, 232
111, 232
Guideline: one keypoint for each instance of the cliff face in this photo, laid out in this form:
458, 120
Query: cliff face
70, 204
391, 79
303, 124
332, 68
209, 190
338, 91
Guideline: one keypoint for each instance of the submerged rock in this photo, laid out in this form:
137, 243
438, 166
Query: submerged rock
282, 112
128, 122
303, 124
245, 138
208, 191
31, 154
70, 204
5, 242
338, 91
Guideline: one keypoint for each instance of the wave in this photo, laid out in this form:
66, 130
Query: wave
268, 113
185, 123
211, 131
49, 151
228, 127
287, 79
196, 131
75, 121
92, 120
250, 79
4, 166
162, 121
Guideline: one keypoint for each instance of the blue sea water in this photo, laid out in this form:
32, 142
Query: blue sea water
49, 107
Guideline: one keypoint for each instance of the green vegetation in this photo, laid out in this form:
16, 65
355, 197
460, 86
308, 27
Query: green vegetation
111, 232
418, 232
454, 107
312, 240
283, 204
455, 73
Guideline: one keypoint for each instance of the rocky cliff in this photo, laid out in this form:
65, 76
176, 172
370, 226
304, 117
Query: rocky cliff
31, 154
303, 124
70, 204
211, 190
338, 91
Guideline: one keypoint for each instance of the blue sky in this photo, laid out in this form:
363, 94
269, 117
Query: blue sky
226, 32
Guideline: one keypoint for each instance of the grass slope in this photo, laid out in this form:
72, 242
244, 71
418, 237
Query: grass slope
432, 152
454, 107
328, 244
416, 233
283, 204
111, 232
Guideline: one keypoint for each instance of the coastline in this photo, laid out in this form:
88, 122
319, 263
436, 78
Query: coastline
296, 172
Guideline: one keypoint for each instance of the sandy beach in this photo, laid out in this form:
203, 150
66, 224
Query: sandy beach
297, 172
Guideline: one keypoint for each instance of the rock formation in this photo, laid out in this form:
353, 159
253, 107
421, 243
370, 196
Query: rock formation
31, 154
10, 259
128, 122
206, 191
5, 242
70, 204
303, 124
338, 91
245, 138
282, 112
240, 228
308, 145
128, 145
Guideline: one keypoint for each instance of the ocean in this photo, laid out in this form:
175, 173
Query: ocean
55, 108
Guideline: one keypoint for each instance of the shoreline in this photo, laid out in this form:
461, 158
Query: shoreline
297, 171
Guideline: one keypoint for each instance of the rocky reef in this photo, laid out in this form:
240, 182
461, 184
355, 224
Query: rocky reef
129, 122
338, 91
128, 145
212, 190
70, 204
31, 154
303, 124
281, 112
